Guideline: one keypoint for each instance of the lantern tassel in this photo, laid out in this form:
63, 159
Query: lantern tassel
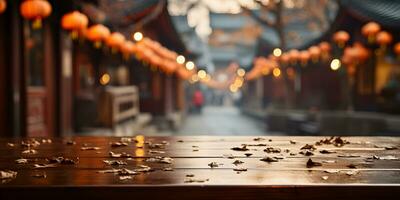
37, 24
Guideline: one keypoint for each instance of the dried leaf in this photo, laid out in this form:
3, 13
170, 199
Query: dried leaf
310, 163
124, 178
156, 152
8, 174
255, 145
115, 162
189, 175
168, 169
119, 144
326, 151
21, 161
242, 148
237, 162
272, 150
62, 160
40, 166
293, 154
329, 161
331, 171
179, 141
192, 180
248, 154
258, 139
325, 177
269, 159
10, 144
293, 141
120, 155
90, 148
159, 159
240, 169
114, 171
125, 172
213, 164
308, 147
30, 151
353, 172
306, 153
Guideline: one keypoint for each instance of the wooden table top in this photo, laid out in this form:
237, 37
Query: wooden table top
201, 167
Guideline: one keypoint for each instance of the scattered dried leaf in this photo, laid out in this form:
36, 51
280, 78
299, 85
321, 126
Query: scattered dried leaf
308, 147
41, 166
159, 159
310, 163
90, 148
348, 156
272, 150
21, 161
39, 175
352, 166
213, 164
168, 169
189, 175
156, 152
228, 156
331, 171
30, 151
124, 178
353, 172
8, 174
326, 151
248, 154
239, 169
258, 139
10, 144
306, 153
120, 155
62, 160
115, 162
325, 177
269, 159
192, 180
237, 162
70, 142
242, 148
119, 144
293, 141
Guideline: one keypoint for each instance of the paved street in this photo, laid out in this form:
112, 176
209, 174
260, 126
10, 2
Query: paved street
221, 121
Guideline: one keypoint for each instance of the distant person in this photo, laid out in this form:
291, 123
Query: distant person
198, 100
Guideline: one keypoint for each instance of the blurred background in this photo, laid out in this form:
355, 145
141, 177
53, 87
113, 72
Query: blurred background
199, 67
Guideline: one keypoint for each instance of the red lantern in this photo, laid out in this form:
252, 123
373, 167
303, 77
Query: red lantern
284, 58
370, 30
3, 6
75, 22
128, 48
304, 57
396, 49
341, 37
97, 33
384, 38
115, 41
294, 55
315, 52
35, 10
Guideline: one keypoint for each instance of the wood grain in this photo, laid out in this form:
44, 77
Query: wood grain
287, 179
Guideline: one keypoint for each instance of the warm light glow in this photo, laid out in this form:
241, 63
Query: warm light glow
194, 78
207, 78
137, 36
202, 74
233, 88
238, 82
139, 139
277, 52
105, 79
240, 72
335, 64
276, 72
180, 59
189, 65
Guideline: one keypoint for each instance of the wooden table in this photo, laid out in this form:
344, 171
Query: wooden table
366, 168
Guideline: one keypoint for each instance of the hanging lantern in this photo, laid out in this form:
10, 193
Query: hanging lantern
361, 52
304, 57
294, 55
384, 38
3, 6
396, 49
370, 30
128, 48
315, 52
75, 22
325, 48
284, 58
340, 38
97, 34
35, 10
115, 41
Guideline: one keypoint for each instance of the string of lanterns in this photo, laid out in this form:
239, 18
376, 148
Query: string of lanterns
351, 56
